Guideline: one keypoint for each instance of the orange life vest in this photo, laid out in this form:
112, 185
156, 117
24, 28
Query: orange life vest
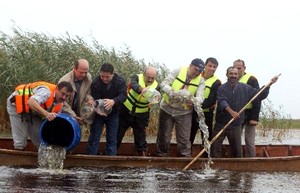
25, 91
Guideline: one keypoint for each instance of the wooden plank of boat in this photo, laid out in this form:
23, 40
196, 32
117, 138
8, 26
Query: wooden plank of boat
290, 163
284, 158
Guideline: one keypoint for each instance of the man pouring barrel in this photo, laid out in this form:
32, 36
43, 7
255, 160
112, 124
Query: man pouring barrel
30, 104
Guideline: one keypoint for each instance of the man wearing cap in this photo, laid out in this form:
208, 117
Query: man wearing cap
176, 109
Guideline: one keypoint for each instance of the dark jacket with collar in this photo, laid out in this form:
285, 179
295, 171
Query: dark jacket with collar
116, 90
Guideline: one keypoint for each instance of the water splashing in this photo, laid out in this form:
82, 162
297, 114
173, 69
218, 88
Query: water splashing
204, 129
183, 96
51, 157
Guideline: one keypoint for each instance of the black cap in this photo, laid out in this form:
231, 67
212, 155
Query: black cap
199, 63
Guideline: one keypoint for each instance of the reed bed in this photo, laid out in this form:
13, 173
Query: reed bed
29, 56
274, 121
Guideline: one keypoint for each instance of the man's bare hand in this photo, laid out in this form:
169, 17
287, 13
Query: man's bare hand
51, 116
79, 120
253, 122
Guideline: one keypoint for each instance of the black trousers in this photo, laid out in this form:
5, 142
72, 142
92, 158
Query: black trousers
195, 125
138, 122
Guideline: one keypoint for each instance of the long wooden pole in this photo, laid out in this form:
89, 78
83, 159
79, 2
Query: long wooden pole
231, 120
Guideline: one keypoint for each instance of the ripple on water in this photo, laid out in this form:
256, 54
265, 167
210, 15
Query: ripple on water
143, 180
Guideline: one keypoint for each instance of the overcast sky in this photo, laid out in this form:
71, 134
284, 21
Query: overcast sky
266, 34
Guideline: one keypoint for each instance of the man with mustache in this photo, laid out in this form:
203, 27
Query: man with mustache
135, 111
30, 104
232, 96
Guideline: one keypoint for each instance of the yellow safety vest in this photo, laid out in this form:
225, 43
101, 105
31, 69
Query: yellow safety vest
208, 84
244, 79
179, 82
135, 102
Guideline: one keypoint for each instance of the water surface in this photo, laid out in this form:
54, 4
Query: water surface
143, 180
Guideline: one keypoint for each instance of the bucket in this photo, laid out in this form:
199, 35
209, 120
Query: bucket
63, 131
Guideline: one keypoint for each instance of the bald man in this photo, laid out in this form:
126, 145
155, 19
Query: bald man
80, 80
134, 112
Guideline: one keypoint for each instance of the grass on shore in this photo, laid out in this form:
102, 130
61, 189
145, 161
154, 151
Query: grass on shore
295, 123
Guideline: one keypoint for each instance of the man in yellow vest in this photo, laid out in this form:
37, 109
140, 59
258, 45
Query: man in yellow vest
176, 107
252, 111
212, 84
30, 104
134, 112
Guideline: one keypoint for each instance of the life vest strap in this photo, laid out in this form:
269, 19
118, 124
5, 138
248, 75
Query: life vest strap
183, 82
136, 101
134, 105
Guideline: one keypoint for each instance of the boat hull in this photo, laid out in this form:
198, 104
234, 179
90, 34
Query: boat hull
280, 158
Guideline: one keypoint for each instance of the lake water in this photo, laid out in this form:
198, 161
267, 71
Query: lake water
143, 180
83, 180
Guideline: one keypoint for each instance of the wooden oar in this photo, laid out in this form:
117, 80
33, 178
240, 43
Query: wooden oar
231, 120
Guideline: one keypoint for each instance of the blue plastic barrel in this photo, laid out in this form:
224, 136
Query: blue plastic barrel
63, 131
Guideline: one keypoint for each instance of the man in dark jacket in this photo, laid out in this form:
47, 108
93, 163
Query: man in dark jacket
110, 87
232, 96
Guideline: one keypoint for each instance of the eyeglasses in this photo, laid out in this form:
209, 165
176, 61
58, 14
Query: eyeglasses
150, 78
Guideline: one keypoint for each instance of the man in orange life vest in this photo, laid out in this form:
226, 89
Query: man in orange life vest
30, 104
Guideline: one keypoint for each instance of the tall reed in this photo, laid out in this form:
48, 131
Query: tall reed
29, 56
274, 121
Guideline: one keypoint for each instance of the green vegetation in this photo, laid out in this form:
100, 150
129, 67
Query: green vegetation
28, 56
274, 118
274, 121
295, 123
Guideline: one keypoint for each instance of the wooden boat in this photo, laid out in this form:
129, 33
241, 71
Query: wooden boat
283, 158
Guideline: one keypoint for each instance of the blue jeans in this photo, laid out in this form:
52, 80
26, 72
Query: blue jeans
112, 123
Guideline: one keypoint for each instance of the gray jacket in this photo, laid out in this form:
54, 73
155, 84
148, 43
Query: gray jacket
166, 88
